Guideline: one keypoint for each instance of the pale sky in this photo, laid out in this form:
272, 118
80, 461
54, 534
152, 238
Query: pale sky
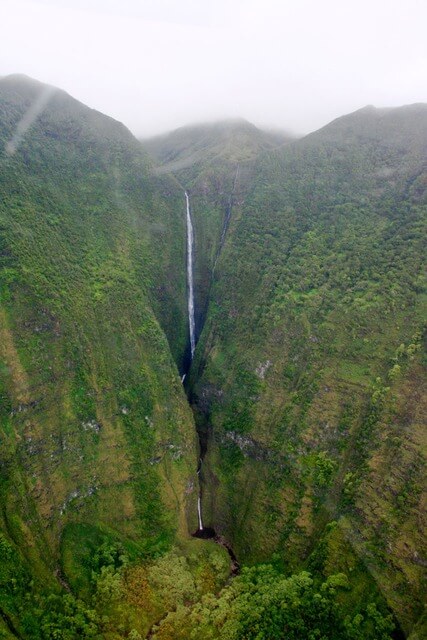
159, 64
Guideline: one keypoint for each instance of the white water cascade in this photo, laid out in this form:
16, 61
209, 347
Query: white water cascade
199, 512
190, 247
191, 319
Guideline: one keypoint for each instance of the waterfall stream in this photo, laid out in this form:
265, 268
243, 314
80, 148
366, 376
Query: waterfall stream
191, 320
190, 284
202, 532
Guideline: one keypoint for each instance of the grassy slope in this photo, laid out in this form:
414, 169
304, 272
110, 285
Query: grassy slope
95, 425
318, 286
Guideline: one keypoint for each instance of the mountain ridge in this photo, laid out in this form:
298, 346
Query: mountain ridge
378, 122
320, 224
225, 140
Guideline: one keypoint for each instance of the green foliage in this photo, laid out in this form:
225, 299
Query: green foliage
109, 555
309, 286
32, 611
320, 276
262, 604
66, 618
324, 469
172, 581
92, 411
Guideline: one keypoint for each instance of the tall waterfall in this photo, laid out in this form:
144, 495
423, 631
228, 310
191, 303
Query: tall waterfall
190, 247
191, 320
199, 512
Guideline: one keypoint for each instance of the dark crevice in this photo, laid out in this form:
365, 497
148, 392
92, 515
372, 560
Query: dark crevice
186, 360
9, 624
226, 222
397, 633
210, 534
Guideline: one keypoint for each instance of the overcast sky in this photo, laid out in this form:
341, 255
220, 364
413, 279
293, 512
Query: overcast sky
159, 64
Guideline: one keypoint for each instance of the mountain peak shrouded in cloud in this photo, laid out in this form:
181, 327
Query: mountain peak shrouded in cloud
34, 99
405, 126
158, 65
22, 83
233, 139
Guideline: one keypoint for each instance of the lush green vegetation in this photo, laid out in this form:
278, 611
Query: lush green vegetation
123, 597
262, 604
308, 365
96, 431
115, 593
307, 381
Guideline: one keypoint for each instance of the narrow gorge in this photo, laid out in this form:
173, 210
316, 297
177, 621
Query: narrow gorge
207, 533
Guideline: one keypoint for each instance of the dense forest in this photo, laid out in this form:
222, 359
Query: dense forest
299, 422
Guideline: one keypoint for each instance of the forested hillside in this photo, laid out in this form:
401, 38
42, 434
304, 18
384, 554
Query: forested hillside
308, 379
97, 442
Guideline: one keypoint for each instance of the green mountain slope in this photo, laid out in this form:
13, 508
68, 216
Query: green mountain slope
97, 438
307, 380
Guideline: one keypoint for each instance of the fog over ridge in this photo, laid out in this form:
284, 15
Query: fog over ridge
157, 65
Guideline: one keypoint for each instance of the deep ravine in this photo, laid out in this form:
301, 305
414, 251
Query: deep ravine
202, 531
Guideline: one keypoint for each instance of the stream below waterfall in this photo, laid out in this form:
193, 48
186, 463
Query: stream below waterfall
202, 531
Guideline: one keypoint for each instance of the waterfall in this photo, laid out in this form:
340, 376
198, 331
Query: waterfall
199, 512
190, 247
199, 501
191, 320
